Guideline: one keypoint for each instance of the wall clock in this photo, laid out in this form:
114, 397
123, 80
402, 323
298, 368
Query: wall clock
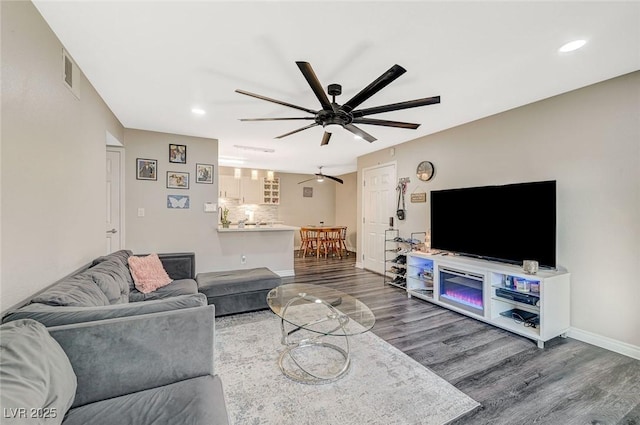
425, 171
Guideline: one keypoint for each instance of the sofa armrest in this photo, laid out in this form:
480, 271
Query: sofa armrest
181, 265
63, 315
126, 355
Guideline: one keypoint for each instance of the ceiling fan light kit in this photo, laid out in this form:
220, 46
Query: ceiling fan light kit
333, 116
319, 177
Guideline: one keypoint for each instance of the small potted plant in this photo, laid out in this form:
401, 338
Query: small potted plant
224, 219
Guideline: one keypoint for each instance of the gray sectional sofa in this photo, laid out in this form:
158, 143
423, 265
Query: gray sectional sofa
104, 289
145, 369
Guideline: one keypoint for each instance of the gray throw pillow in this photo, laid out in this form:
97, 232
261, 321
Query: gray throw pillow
37, 380
121, 256
111, 278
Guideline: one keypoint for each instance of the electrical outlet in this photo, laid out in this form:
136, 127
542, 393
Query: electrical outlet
140, 212
243, 259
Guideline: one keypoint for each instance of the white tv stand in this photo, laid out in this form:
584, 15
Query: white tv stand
482, 279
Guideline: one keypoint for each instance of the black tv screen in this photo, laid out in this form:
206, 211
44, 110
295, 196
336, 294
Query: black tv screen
508, 223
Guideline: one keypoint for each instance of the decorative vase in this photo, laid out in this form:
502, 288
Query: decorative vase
225, 225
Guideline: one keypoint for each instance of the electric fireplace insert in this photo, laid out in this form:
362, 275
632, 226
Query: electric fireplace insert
462, 289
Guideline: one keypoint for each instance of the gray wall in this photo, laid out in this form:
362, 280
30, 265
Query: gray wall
164, 229
589, 141
53, 160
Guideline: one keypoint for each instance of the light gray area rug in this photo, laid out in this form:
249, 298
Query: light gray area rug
384, 386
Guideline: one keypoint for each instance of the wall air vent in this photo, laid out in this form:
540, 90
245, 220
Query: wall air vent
70, 74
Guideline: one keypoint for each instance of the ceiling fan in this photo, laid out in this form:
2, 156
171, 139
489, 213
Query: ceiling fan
320, 177
333, 115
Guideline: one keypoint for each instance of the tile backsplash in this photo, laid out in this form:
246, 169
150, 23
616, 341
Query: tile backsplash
238, 211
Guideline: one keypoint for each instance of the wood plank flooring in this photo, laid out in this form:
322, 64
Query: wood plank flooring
568, 382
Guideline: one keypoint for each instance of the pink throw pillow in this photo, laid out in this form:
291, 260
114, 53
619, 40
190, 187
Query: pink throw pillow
148, 273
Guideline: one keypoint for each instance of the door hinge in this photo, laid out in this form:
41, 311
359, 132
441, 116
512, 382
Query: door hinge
362, 220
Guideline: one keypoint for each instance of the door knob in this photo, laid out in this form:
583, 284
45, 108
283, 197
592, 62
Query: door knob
112, 231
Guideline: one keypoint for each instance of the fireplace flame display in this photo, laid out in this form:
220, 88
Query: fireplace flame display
463, 290
467, 296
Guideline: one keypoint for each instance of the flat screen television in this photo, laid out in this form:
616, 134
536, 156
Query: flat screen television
508, 223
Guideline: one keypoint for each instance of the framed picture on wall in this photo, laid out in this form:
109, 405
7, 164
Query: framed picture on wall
177, 180
146, 169
178, 202
204, 173
178, 154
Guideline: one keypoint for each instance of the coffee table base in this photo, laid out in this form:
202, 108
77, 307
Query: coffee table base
301, 373
296, 371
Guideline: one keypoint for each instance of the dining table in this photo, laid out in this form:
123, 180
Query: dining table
323, 239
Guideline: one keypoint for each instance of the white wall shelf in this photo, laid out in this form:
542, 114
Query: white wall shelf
271, 191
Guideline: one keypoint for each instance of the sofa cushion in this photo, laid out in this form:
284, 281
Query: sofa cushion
78, 290
63, 315
111, 278
148, 273
121, 256
35, 373
174, 289
193, 401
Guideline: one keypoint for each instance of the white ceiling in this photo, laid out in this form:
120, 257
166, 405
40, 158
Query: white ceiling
153, 61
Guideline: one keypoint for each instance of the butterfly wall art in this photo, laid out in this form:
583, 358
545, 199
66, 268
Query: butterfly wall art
178, 201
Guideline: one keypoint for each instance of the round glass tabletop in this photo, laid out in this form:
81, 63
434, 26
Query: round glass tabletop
319, 308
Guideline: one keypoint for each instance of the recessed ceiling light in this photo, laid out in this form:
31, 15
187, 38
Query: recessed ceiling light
198, 111
357, 137
572, 45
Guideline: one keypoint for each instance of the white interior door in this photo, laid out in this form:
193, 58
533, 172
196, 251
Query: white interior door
114, 202
378, 206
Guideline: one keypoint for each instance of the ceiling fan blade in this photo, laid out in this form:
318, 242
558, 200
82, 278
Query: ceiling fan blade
279, 102
396, 106
358, 132
308, 180
385, 123
295, 131
313, 81
325, 139
276, 119
335, 179
381, 82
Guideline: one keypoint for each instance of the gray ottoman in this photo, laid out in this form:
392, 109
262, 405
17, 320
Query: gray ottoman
238, 291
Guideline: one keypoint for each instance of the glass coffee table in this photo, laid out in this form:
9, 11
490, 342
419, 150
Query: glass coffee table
314, 321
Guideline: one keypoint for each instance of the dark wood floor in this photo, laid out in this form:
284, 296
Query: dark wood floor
568, 382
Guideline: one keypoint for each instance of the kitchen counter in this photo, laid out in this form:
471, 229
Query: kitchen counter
257, 246
254, 228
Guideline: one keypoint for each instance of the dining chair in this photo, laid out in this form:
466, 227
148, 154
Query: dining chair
343, 240
308, 238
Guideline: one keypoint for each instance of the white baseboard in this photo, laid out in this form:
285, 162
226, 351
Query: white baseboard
285, 273
605, 342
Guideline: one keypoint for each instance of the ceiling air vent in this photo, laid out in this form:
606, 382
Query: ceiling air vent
70, 74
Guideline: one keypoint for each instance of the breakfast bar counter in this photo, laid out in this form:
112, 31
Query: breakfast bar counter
255, 228
253, 246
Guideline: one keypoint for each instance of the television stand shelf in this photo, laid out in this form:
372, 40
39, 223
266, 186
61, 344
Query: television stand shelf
488, 291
